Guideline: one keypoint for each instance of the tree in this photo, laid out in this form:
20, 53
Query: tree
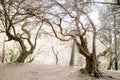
111, 31
56, 55
69, 16
3, 54
78, 32
72, 54
68, 19
14, 15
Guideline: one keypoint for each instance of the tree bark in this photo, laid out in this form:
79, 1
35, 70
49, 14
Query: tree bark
22, 58
91, 66
116, 63
110, 65
115, 41
56, 55
72, 54
110, 62
3, 53
95, 70
24, 55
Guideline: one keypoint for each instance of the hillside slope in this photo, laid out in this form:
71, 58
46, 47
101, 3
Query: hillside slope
42, 72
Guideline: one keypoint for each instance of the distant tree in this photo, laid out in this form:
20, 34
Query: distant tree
109, 33
56, 55
72, 58
3, 54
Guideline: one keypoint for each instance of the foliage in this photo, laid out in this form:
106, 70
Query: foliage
14, 54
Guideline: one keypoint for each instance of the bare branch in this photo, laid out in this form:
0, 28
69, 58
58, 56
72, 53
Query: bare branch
38, 33
76, 18
55, 54
89, 2
103, 53
47, 21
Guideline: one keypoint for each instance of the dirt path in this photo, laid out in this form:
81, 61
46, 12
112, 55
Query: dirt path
40, 72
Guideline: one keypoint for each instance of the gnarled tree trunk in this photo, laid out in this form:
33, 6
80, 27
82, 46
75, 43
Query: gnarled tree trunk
88, 66
91, 68
22, 57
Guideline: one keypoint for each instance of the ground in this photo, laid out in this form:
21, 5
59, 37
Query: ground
25, 71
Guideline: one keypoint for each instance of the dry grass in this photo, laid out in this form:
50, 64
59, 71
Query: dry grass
42, 72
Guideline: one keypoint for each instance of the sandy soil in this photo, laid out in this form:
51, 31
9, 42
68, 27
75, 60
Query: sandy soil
42, 72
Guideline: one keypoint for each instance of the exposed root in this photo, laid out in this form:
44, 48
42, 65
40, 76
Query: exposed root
96, 73
84, 71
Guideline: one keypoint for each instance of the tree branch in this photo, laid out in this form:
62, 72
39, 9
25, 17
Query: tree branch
47, 21
104, 52
89, 2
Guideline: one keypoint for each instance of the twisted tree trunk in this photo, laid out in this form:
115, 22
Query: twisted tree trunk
91, 66
22, 57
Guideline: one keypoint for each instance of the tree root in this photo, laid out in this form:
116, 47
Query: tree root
96, 73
